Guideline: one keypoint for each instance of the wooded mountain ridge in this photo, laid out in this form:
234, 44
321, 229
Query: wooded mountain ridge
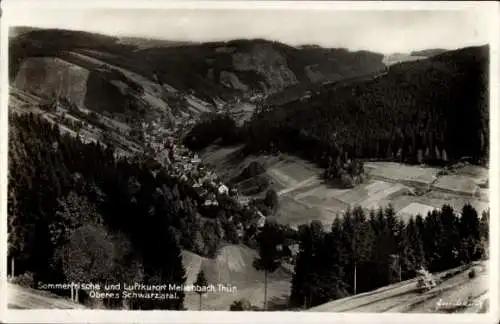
214, 69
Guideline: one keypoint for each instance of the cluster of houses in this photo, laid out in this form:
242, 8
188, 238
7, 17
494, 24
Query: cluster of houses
187, 166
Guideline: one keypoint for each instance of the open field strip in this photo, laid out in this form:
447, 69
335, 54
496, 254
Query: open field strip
458, 184
373, 200
308, 182
233, 266
295, 213
414, 209
437, 199
282, 177
370, 192
322, 191
397, 172
477, 173
218, 155
299, 170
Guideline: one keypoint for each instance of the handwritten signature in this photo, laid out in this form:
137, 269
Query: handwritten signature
457, 303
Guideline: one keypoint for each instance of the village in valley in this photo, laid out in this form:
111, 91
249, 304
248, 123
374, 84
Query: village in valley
296, 177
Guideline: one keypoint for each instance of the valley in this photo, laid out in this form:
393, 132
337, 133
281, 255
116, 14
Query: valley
200, 202
303, 197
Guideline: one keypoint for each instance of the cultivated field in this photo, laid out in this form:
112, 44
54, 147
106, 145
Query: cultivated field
456, 184
409, 189
413, 209
397, 172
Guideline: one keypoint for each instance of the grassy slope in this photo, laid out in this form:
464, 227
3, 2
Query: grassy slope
403, 297
25, 298
233, 267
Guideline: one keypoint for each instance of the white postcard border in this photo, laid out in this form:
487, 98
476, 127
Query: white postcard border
97, 316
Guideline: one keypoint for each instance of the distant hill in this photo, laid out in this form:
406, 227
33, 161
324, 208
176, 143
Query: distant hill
142, 42
214, 72
304, 89
401, 57
412, 56
429, 52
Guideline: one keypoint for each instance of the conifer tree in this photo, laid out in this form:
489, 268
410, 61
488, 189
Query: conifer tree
449, 238
484, 226
201, 281
470, 233
269, 257
302, 266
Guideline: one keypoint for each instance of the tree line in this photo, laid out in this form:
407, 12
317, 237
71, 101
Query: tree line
366, 250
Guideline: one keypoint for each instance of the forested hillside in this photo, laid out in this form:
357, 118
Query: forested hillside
434, 110
78, 213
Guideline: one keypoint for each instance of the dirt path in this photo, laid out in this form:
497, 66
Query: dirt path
308, 182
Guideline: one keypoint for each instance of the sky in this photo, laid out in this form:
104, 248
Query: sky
380, 31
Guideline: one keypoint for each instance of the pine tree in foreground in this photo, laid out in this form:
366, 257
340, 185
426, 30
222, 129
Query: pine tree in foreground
268, 260
201, 281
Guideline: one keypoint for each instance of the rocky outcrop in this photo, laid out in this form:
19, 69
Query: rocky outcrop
267, 62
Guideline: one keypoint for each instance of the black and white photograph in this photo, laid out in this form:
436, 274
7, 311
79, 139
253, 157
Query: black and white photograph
250, 158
